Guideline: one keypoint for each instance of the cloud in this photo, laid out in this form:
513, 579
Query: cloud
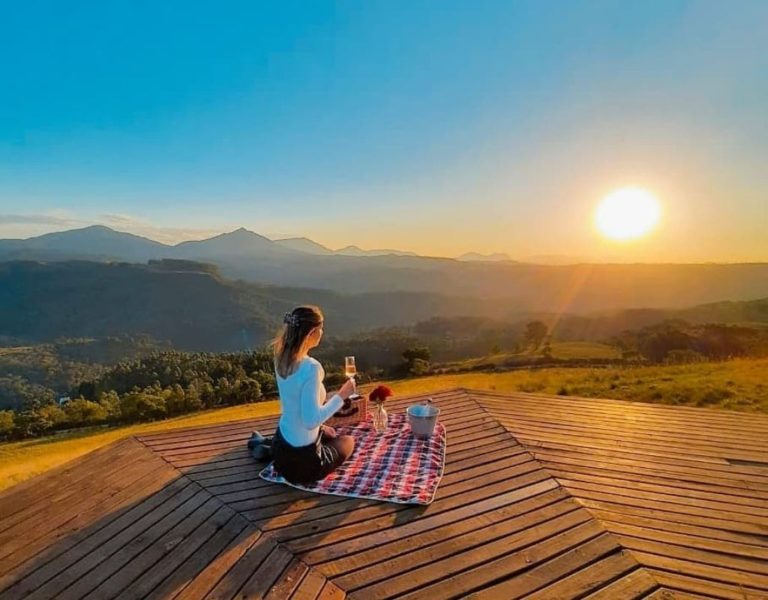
126, 220
39, 220
165, 235
23, 226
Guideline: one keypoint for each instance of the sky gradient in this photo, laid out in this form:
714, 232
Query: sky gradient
436, 127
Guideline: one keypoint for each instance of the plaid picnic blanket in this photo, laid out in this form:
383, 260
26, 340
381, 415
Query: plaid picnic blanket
392, 465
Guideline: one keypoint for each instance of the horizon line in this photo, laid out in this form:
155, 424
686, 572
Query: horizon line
393, 251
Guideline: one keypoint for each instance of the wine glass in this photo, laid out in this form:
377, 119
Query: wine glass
350, 370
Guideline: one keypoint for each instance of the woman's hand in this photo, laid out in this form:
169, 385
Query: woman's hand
348, 388
329, 431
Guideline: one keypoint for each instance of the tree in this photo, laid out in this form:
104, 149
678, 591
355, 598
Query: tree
140, 405
417, 352
6, 423
176, 400
192, 398
535, 332
418, 367
110, 402
84, 412
417, 360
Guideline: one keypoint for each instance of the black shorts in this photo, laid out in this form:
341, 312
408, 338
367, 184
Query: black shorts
304, 464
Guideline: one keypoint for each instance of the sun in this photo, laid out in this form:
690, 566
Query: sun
627, 213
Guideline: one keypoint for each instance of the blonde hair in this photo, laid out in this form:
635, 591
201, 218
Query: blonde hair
292, 338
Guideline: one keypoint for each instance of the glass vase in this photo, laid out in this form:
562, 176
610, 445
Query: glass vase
380, 418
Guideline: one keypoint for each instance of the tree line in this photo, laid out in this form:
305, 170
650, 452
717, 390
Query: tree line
168, 383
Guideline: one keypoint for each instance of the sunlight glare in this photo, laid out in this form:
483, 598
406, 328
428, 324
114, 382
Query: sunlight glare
627, 213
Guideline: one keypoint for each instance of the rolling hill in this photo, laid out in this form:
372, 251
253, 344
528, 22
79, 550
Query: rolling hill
187, 303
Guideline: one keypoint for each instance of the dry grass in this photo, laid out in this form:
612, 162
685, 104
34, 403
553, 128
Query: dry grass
735, 385
22, 460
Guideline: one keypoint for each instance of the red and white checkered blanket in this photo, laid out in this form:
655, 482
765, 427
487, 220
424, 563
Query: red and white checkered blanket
392, 465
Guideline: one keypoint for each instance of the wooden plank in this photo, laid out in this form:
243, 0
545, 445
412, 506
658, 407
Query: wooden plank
313, 520
267, 574
568, 424
636, 584
32, 505
465, 571
289, 582
656, 528
542, 436
589, 577
94, 554
118, 490
594, 408
378, 537
429, 549
68, 534
727, 521
736, 564
331, 592
310, 587
710, 572
699, 453
669, 536
238, 574
15, 498
665, 594
626, 409
193, 566
166, 557
216, 569
663, 463
521, 582
65, 565
318, 536
669, 495
692, 480
659, 511
661, 428
694, 584
55, 518
119, 566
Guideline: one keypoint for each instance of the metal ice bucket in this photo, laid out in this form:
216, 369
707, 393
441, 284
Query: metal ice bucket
422, 419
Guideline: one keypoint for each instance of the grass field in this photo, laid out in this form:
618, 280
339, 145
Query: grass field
735, 385
22, 460
560, 350
738, 384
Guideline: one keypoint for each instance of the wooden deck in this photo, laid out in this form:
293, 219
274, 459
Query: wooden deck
543, 497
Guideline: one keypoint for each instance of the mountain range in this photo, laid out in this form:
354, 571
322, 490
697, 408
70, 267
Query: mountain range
300, 262
194, 307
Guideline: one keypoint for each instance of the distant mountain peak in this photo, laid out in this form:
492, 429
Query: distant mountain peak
353, 250
476, 256
303, 244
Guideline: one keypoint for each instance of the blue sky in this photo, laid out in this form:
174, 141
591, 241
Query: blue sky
439, 127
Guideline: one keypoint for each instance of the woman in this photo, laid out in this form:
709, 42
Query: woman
303, 449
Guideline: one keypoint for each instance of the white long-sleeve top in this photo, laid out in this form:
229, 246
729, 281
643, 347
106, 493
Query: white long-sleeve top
302, 402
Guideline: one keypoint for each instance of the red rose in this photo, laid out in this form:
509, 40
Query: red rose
380, 393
